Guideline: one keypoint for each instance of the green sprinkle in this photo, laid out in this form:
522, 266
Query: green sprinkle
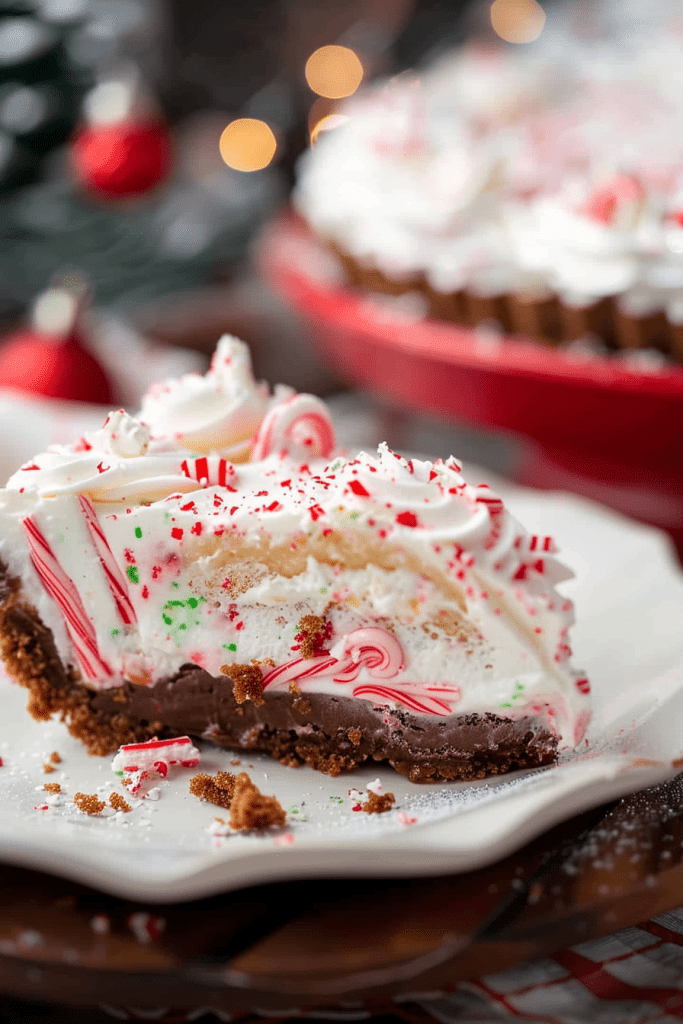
175, 585
518, 686
508, 705
175, 604
114, 632
132, 573
336, 800
232, 647
293, 810
138, 532
167, 619
183, 625
193, 602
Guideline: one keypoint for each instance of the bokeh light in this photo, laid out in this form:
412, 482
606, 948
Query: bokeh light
517, 21
248, 144
334, 72
326, 124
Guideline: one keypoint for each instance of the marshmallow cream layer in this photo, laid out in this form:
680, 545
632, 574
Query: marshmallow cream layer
144, 548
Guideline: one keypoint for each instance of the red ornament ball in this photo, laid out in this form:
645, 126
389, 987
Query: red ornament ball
124, 159
55, 368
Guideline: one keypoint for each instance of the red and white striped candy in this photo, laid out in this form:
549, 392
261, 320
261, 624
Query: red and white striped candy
300, 668
62, 589
536, 542
210, 471
299, 426
156, 755
424, 704
382, 655
376, 649
112, 571
485, 496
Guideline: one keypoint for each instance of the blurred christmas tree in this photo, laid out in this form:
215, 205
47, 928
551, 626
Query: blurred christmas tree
42, 82
66, 184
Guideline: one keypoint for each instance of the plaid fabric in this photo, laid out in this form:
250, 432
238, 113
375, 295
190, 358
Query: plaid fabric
634, 976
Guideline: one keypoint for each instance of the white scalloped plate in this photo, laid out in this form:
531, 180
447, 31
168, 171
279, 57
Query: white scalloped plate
629, 594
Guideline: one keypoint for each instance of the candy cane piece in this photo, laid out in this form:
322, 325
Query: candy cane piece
376, 649
62, 589
157, 755
300, 668
299, 426
429, 706
210, 471
115, 578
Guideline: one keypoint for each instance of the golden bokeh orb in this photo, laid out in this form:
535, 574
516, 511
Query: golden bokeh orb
248, 144
334, 72
517, 21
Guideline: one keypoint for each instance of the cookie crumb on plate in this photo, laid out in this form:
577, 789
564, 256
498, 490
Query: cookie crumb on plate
118, 803
377, 803
89, 803
248, 807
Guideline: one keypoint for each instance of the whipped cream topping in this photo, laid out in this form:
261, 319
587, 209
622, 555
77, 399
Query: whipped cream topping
435, 599
218, 412
190, 432
560, 158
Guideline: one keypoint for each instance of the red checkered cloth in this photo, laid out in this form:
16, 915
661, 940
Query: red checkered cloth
634, 976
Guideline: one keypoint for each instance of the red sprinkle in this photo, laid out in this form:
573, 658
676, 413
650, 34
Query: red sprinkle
196, 528
177, 533
145, 591
407, 519
357, 488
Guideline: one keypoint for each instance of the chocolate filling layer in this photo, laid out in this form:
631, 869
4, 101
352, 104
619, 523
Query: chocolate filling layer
333, 733
330, 733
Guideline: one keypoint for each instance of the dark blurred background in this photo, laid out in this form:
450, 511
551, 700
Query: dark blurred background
145, 146
163, 240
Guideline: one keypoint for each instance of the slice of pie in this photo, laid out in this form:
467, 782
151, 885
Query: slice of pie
213, 568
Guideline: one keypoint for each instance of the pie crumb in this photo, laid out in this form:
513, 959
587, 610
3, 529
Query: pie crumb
249, 808
89, 803
119, 803
377, 803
